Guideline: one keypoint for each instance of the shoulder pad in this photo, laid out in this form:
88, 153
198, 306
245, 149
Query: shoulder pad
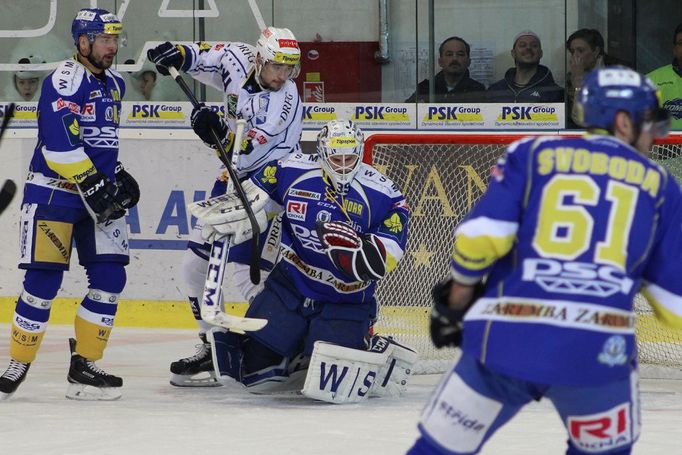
68, 77
371, 178
300, 161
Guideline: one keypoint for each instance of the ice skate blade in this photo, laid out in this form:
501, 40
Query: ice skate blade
197, 380
84, 392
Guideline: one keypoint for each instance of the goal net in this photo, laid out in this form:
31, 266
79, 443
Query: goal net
442, 175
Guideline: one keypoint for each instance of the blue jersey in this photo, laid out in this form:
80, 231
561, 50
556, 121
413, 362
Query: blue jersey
78, 117
373, 205
568, 231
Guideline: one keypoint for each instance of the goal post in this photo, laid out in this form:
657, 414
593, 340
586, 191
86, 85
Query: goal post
442, 176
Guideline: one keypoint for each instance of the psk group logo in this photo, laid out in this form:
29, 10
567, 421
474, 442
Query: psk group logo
318, 115
25, 114
156, 114
382, 115
452, 116
527, 116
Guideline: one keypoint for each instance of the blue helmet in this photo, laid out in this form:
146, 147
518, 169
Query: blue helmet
93, 22
607, 91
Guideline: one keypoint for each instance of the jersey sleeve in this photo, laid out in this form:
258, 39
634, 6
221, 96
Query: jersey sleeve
392, 228
59, 113
217, 65
662, 282
488, 232
268, 178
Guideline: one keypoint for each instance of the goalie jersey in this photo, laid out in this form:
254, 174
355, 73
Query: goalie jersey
274, 119
567, 233
78, 118
373, 205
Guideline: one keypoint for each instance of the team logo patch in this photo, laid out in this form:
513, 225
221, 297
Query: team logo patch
601, 432
95, 94
323, 216
614, 351
394, 224
305, 194
232, 99
72, 128
296, 210
270, 175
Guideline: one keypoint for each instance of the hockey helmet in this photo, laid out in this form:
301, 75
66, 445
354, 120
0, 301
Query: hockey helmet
609, 90
93, 22
340, 147
279, 45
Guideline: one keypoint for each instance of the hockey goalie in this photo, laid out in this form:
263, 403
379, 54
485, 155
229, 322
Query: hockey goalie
344, 227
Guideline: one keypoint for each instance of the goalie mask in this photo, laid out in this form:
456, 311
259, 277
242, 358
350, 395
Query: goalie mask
340, 147
278, 48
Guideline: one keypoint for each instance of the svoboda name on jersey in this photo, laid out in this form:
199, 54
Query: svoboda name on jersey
156, 111
322, 113
470, 115
521, 115
381, 113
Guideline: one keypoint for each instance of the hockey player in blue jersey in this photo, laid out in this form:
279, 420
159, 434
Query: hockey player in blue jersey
258, 85
344, 227
76, 193
566, 234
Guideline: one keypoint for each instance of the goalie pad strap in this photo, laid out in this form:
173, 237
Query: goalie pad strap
341, 375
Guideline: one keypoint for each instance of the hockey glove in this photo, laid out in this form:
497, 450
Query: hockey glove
446, 322
128, 190
99, 194
166, 55
360, 258
203, 120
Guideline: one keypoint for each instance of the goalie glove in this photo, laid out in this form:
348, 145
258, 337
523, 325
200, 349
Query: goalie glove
225, 214
446, 322
360, 258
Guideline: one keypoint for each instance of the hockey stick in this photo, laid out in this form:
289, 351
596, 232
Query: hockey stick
9, 187
212, 296
257, 15
254, 269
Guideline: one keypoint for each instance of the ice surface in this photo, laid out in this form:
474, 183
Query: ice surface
156, 418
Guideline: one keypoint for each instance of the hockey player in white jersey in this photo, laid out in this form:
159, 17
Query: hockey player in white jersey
258, 87
344, 228
569, 230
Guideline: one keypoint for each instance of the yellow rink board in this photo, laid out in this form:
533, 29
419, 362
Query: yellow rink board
177, 315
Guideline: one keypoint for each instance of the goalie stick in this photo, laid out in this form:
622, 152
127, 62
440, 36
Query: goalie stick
9, 187
212, 296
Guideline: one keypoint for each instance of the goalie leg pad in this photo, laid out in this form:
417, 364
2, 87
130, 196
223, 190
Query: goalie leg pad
228, 357
395, 373
342, 375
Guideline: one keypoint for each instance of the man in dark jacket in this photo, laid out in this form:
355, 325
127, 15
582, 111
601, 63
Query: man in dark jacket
451, 84
528, 81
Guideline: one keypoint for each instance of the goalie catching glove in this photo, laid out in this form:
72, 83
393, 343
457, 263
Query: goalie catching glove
360, 258
225, 215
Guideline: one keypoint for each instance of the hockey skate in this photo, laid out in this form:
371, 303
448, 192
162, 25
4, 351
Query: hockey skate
197, 370
88, 382
12, 378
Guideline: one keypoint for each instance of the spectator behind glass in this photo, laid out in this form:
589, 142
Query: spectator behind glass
668, 78
452, 83
528, 81
144, 82
27, 82
587, 52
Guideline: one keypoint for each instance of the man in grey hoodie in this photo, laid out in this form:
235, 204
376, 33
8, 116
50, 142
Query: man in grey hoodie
528, 81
